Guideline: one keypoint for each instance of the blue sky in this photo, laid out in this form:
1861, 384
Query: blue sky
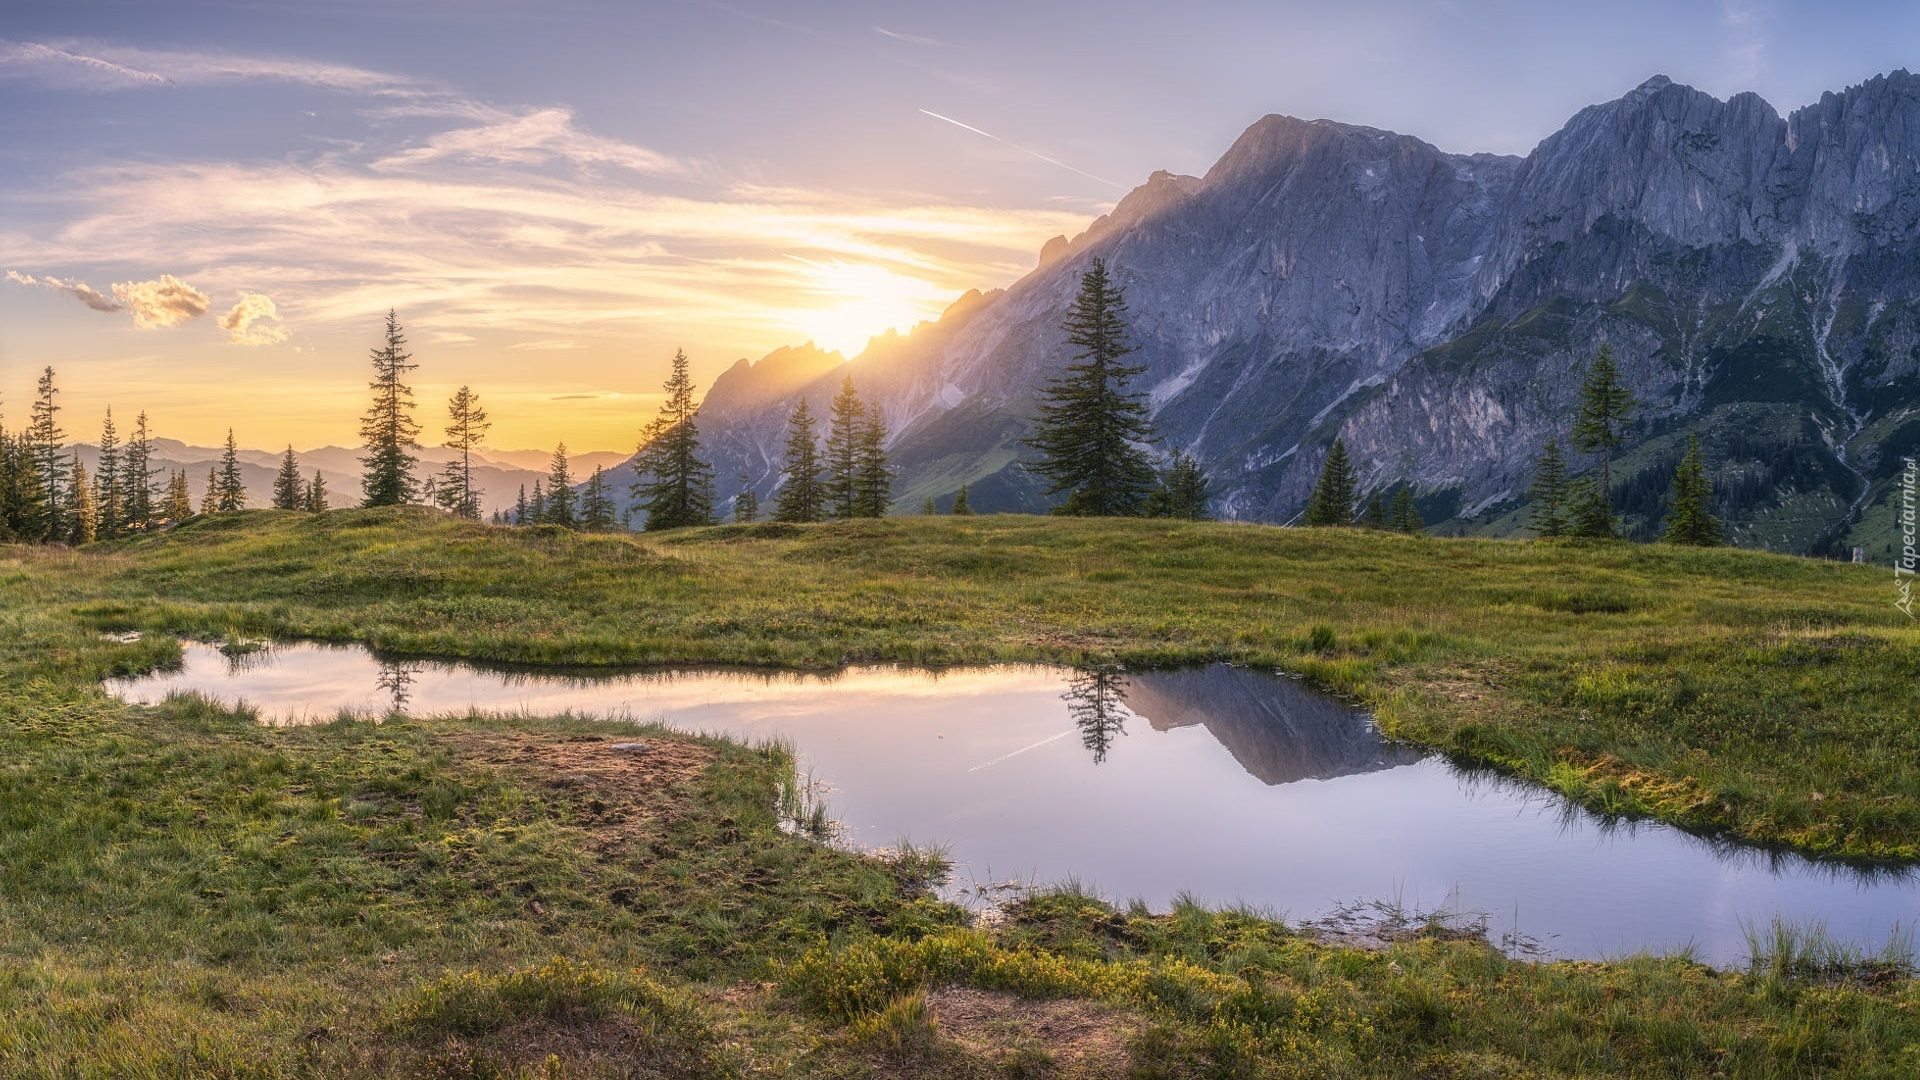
556, 195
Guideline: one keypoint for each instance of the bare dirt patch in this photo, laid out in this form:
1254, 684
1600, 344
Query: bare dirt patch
621, 790
1078, 1038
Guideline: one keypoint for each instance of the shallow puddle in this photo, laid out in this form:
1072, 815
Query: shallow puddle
1224, 783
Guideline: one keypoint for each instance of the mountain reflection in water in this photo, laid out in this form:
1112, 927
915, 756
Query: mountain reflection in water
1119, 781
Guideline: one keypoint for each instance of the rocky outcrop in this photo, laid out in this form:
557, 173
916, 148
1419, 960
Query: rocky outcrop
1758, 276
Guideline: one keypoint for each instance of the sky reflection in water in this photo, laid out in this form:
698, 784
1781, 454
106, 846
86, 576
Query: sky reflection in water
1231, 785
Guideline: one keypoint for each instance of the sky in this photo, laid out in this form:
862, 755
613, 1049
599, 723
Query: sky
207, 208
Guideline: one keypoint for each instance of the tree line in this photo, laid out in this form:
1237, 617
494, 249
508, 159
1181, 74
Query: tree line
1093, 435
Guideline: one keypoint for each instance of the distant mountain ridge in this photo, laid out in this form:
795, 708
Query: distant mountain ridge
1757, 275
496, 472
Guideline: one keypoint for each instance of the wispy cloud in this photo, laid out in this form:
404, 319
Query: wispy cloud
253, 321
96, 66
1746, 52
161, 303
79, 290
536, 137
911, 39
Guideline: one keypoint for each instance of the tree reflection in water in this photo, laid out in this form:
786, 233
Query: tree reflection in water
1096, 700
396, 679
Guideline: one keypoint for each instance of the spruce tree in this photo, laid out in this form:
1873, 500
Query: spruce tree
288, 491
1183, 490
558, 508
1402, 515
179, 505
108, 484
467, 425
317, 493
961, 505
1332, 499
680, 493
926, 506
1550, 494
1690, 519
49, 445
803, 497
746, 504
520, 508
873, 479
142, 499
844, 418
233, 493
82, 512
1605, 408
210, 499
1376, 515
537, 505
1089, 422
23, 504
1592, 509
389, 429
597, 512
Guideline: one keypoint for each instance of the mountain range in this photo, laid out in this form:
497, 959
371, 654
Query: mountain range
1758, 277
499, 474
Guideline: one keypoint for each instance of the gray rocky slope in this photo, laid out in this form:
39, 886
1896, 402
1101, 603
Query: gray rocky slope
1758, 276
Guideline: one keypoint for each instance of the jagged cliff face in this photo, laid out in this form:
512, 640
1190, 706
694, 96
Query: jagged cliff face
1759, 278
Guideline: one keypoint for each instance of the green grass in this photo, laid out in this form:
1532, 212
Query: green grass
189, 893
1764, 696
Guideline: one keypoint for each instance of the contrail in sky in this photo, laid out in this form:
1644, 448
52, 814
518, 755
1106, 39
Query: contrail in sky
1023, 149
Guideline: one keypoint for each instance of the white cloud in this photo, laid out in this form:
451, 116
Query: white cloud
243, 321
105, 67
79, 290
536, 137
163, 302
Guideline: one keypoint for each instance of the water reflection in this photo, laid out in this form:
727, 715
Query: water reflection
1237, 787
1276, 729
1096, 703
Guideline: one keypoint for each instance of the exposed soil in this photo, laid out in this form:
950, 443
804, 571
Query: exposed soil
1077, 1037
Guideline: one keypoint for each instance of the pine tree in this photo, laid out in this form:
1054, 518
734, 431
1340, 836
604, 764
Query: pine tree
558, 508
233, 493
1089, 423
803, 497
49, 445
746, 504
1402, 515
1332, 499
179, 506
1376, 515
467, 425
210, 500
1690, 519
389, 428
108, 484
1605, 408
537, 505
1550, 494
842, 451
317, 493
142, 499
82, 515
1182, 492
288, 491
960, 504
680, 493
520, 507
23, 504
597, 512
873, 479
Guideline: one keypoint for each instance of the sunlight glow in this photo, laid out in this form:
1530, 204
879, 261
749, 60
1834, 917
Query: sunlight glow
861, 301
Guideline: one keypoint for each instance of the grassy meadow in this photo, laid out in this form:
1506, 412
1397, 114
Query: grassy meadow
190, 893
